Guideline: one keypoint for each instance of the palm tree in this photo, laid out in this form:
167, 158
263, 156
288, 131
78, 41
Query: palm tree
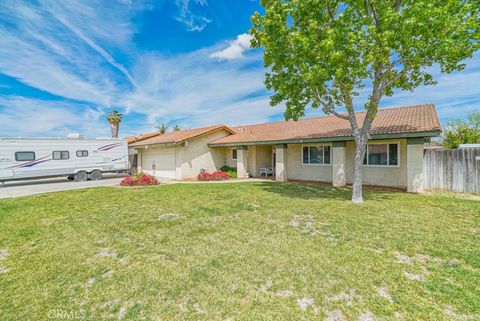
176, 128
162, 129
114, 118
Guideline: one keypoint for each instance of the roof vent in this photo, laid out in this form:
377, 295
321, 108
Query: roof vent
75, 136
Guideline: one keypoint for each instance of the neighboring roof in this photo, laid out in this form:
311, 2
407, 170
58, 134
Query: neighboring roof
389, 121
133, 139
179, 136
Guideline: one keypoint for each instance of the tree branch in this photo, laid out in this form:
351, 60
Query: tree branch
347, 97
328, 108
371, 10
398, 4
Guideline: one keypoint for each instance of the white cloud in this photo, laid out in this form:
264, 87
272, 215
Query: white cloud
72, 57
194, 87
235, 49
35, 117
41, 52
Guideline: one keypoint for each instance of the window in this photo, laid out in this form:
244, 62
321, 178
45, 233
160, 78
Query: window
381, 155
82, 153
316, 155
24, 156
61, 155
234, 154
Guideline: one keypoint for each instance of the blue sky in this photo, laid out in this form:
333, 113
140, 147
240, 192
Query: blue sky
65, 64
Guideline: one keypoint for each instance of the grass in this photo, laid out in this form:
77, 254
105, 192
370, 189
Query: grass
251, 251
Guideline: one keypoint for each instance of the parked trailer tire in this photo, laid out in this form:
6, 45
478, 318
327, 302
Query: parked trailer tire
81, 176
96, 175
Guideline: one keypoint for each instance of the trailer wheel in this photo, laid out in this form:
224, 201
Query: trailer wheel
81, 176
96, 175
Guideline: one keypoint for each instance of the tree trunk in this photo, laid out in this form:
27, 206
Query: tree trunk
360, 148
114, 128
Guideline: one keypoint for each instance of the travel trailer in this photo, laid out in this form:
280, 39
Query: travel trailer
78, 159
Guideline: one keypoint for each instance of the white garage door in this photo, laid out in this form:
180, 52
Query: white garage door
159, 162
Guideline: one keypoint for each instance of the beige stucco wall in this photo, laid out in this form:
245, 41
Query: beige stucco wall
415, 167
380, 176
229, 161
297, 170
197, 155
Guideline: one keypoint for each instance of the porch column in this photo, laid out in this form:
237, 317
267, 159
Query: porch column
339, 156
242, 162
139, 160
415, 165
281, 162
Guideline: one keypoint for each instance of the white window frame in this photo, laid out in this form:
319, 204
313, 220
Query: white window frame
316, 145
234, 149
61, 153
388, 154
81, 153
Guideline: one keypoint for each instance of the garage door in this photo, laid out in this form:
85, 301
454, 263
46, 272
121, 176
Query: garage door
159, 162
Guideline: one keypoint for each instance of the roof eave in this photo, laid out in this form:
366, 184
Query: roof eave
433, 133
183, 140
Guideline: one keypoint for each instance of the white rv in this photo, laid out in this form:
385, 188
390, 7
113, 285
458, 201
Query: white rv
79, 159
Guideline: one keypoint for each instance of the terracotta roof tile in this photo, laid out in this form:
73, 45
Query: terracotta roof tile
399, 120
179, 136
133, 139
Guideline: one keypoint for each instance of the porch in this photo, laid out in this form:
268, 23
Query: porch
393, 163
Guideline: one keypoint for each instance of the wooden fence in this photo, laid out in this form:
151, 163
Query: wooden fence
456, 170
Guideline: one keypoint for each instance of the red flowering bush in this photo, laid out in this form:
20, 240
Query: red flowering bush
215, 176
128, 181
139, 180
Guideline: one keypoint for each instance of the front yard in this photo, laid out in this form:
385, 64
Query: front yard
251, 251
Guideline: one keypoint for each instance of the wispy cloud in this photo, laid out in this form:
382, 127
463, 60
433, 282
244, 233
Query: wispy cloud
192, 14
46, 55
194, 87
26, 116
96, 47
85, 55
235, 49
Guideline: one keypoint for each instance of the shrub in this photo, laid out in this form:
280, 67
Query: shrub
215, 176
462, 132
141, 179
231, 171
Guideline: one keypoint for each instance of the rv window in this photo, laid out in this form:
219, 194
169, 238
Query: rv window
24, 156
82, 153
61, 155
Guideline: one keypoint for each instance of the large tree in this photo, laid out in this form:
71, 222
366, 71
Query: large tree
114, 118
322, 53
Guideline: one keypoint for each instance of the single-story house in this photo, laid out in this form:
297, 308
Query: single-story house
314, 149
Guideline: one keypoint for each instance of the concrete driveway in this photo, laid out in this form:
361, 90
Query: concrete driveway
31, 187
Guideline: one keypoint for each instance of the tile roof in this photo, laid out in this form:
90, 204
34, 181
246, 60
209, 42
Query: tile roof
133, 139
399, 120
179, 136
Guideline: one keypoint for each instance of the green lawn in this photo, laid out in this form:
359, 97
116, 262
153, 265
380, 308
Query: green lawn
251, 251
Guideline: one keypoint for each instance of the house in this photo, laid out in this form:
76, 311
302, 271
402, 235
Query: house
314, 149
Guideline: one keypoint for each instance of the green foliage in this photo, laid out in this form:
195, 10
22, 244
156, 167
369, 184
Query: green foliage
462, 132
162, 128
176, 128
231, 171
114, 117
321, 53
